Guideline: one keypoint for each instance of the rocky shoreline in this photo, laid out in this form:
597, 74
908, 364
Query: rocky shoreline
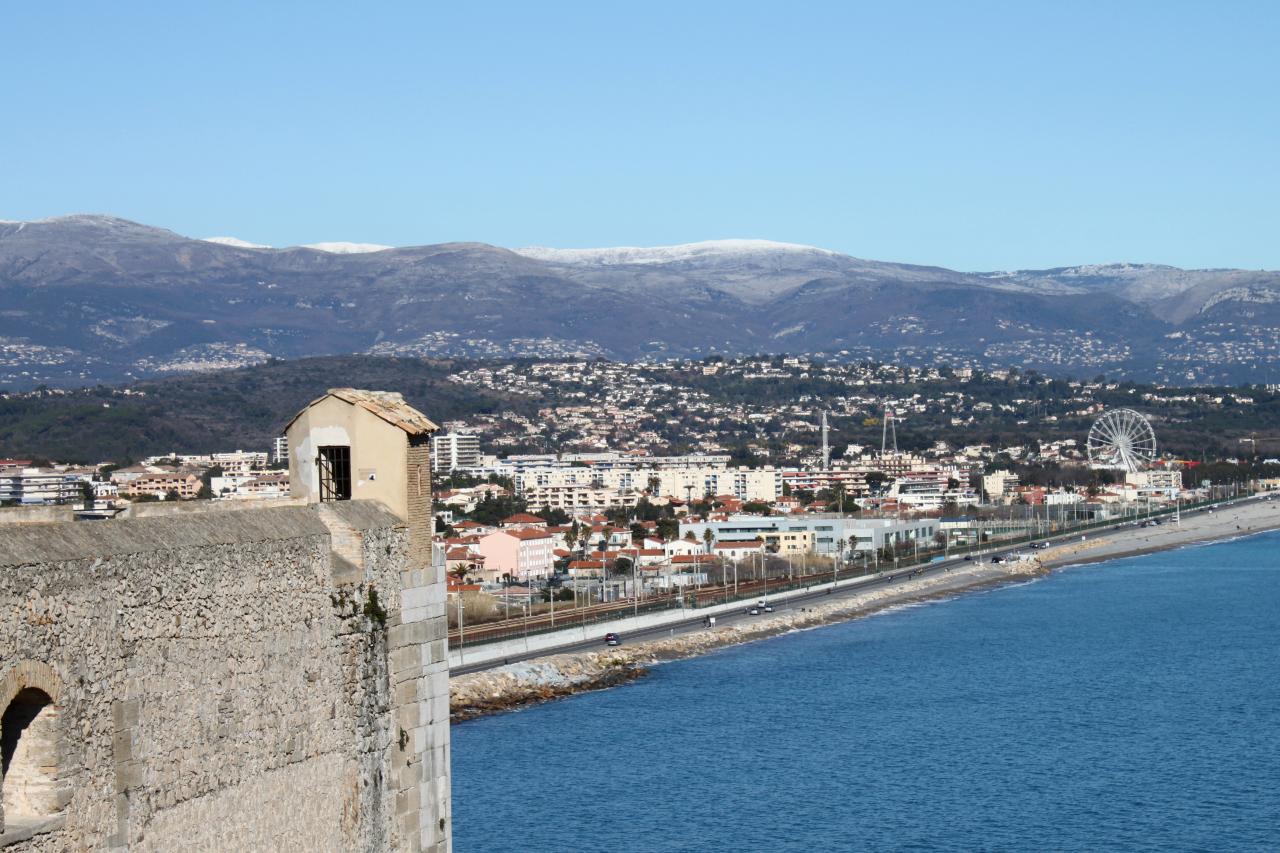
496, 691
513, 686
517, 685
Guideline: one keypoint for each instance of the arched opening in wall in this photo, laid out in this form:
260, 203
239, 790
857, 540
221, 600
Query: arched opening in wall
29, 756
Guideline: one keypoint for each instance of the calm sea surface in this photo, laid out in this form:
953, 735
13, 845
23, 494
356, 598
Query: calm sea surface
1133, 704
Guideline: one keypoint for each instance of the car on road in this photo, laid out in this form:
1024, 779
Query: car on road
768, 608
997, 559
753, 611
612, 639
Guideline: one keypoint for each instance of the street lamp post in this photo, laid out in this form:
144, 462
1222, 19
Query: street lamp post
461, 611
764, 576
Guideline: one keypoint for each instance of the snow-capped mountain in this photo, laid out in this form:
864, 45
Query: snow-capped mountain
90, 298
708, 249
335, 248
340, 248
235, 241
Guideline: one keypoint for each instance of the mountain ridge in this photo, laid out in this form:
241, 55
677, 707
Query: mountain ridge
90, 297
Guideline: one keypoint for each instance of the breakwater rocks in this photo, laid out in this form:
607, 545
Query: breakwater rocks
508, 687
480, 694
841, 609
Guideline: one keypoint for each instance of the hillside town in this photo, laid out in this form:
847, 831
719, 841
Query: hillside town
610, 524
770, 409
603, 481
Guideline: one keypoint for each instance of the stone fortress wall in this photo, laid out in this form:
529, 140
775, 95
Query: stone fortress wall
263, 679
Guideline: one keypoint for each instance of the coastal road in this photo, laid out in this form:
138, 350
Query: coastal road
782, 602
1249, 514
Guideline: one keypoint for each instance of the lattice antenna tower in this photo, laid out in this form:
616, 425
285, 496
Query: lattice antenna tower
890, 427
826, 447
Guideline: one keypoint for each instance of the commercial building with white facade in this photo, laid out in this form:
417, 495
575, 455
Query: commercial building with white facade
829, 530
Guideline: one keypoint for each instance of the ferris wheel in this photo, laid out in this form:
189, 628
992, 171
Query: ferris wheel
1122, 438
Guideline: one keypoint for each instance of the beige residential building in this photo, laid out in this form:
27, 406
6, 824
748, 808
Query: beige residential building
186, 486
1164, 479
997, 484
788, 543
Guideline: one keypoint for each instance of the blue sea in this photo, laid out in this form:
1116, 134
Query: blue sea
1127, 705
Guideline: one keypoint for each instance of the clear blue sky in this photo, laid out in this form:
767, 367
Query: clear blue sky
971, 135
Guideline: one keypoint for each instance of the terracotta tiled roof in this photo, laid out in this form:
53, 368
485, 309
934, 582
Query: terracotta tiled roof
523, 518
526, 533
387, 405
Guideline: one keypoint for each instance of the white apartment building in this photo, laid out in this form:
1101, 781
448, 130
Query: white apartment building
929, 490
578, 499
40, 486
260, 484
853, 482
746, 484
454, 450
240, 462
637, 461
587, 487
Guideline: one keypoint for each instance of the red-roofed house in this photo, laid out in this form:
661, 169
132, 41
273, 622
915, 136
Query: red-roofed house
525, 521
473, 528
587, 568
523, 553
460, 557
686, 560
738, 550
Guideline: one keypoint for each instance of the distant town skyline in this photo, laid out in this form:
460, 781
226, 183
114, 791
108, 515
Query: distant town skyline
980, 137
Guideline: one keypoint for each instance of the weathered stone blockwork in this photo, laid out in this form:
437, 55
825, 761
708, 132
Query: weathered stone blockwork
227, 682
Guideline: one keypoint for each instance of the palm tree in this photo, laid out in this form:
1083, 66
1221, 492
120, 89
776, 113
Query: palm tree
708, 537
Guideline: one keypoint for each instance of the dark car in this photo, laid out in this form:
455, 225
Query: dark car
612, 639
